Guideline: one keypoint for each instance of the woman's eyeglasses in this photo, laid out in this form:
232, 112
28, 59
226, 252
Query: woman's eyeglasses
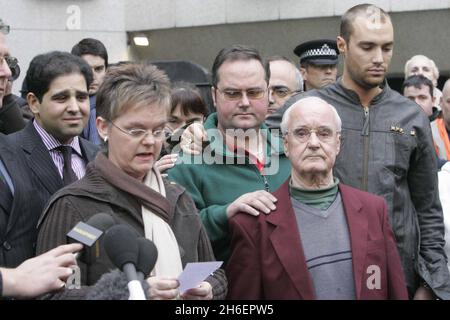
159, 134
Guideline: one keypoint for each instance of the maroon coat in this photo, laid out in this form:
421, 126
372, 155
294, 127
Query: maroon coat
267, 259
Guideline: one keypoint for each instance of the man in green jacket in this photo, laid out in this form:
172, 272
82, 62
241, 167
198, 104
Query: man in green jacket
242, 163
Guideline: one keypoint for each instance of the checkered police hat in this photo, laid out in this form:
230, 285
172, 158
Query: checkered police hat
321, 51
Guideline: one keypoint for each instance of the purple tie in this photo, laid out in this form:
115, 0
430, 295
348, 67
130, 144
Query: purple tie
69, 175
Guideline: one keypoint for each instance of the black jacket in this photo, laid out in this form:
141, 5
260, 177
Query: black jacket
18, 226
93, 194
40, 162
11, 116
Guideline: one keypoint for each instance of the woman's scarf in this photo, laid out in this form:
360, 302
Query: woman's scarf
156, 212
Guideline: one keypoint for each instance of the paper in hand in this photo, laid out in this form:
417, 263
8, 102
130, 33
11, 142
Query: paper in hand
196, 272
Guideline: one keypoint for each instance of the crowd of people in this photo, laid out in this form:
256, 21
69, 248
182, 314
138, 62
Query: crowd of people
305, 184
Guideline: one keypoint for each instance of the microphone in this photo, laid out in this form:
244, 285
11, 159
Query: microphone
148, 254
112, 286
122, 248
101, 221
88, 234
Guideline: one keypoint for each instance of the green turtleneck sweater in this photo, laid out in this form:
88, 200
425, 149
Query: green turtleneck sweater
319, 198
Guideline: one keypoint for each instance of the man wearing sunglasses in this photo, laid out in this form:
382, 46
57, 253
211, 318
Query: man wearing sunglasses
242, 163
11, 118
5, 71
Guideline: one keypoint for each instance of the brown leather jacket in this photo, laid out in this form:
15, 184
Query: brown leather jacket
93, 194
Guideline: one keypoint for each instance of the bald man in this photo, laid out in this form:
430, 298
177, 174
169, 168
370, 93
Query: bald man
285, 80
441, 126
420, 64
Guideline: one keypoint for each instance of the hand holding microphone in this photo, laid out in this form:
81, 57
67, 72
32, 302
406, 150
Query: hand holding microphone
41, 274
89, 235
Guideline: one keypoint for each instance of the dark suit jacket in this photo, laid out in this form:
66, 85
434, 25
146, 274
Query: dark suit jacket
268, 262
40, 161
18, 227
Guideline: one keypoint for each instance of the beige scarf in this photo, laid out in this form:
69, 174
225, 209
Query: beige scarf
158, 231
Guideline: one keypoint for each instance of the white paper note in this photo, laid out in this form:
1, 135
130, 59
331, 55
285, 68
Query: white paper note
196, 272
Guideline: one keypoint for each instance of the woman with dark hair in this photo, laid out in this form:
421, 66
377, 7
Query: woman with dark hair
187, 106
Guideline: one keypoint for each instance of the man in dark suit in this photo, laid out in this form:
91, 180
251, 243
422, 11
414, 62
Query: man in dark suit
93, 51
57, 84
19, 209
19, 212
325, 240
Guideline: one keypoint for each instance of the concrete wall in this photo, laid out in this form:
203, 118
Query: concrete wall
39, 26
201, 44
197, 29
156, 14
424, 32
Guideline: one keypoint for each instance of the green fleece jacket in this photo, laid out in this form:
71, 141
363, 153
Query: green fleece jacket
219, 176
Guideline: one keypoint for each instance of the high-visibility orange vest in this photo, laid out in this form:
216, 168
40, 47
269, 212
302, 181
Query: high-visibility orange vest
441, 139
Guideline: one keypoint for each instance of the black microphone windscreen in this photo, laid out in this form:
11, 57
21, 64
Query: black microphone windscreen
121, 245
101, 221
148, 254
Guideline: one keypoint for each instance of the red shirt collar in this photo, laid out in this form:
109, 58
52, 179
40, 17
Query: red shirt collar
253, 159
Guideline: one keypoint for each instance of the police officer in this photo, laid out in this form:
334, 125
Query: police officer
318, 62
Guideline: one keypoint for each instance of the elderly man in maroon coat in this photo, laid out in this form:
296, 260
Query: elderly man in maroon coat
325, 240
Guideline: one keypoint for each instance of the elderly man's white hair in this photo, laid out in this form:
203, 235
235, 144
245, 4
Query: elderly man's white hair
286, 115
434, 68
